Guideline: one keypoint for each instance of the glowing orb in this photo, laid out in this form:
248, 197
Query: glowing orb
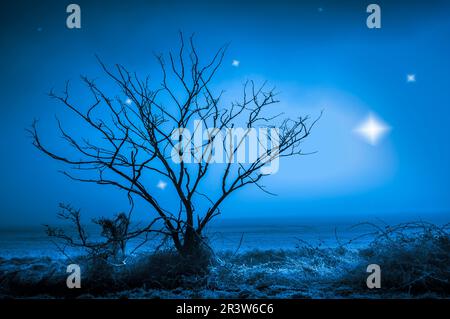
161, 185
372, 129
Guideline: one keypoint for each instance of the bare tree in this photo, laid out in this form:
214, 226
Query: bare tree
133, 137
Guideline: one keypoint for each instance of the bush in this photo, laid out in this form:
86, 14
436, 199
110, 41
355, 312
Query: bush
414, 258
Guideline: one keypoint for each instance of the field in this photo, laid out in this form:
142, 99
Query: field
414, 258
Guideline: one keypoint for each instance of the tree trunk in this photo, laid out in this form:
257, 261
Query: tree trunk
192, 244
195, 256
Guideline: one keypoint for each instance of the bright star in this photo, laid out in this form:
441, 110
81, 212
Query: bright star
161, 185
235, 63
128, 101
372, 129
411, 78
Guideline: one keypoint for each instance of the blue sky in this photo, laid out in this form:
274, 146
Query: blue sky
319, 54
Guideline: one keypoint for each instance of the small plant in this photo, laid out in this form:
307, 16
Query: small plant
115, 234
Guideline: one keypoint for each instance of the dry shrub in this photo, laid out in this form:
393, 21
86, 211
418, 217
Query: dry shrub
414, 258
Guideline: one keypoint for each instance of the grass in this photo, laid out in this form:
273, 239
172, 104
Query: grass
414, 259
